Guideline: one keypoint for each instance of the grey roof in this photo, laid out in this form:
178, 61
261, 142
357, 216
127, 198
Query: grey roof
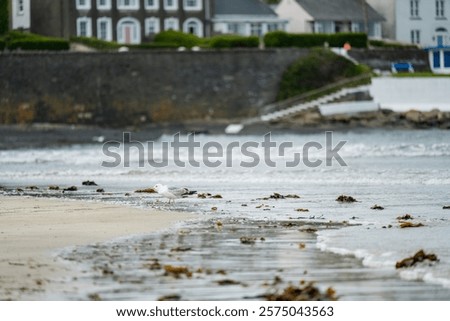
339, 10
242, 7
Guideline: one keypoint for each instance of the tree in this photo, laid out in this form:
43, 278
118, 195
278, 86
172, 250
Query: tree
4, 16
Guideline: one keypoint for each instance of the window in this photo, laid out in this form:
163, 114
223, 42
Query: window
151, 26
171, 4
83, 4
192, 5
256, 29
128, 31
104, 4
414, 8
415, 36
272, 27
104, 29
318, 27
193, 26
375, 30
441, 37
84, 27
128, 4
20, 7
440, 9
356, 27
171, 24
152, 4
236, 28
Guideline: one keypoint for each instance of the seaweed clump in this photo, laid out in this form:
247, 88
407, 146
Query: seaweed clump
307, 291
177, 271
405, 217
409, 224
420, 256
346, 199
248, 240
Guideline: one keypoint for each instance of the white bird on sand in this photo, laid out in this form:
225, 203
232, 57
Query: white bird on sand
172, 193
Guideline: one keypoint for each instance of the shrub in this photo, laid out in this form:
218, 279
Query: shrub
320, 68
27, 41
16, 35
2, 44
308, 40
233, 41
96, 43
176, 38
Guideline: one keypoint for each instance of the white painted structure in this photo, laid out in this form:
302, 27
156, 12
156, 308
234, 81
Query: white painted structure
422, 22
247, 25
245, 17
403, 94
348, 107
329, 16
297, 16
20, 14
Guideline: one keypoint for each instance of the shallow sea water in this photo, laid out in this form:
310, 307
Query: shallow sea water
403, 171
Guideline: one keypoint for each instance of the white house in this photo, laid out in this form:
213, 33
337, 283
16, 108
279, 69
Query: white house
20, 14
330, 16
422, 22
245, 17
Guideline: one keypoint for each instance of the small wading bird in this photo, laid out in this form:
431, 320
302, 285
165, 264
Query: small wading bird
172, 193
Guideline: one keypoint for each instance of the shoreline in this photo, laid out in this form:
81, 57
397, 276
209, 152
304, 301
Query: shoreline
32, 229
47, 135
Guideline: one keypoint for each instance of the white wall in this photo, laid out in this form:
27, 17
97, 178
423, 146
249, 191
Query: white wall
403, 94
297, 17
427, 23
20, 20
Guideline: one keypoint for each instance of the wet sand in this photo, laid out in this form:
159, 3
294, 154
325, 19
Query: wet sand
214, 263
32, 229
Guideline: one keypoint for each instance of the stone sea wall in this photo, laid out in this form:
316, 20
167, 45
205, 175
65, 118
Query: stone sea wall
137, 87
382, 58
132, 88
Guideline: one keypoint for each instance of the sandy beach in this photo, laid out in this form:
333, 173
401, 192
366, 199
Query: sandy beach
31, 229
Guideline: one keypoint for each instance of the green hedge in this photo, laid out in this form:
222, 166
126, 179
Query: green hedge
96, 43
27, 41
155, 45
233, 41
51, 44
4, 17
284, 39
382, 44
178, 39
2, 44
356, 40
